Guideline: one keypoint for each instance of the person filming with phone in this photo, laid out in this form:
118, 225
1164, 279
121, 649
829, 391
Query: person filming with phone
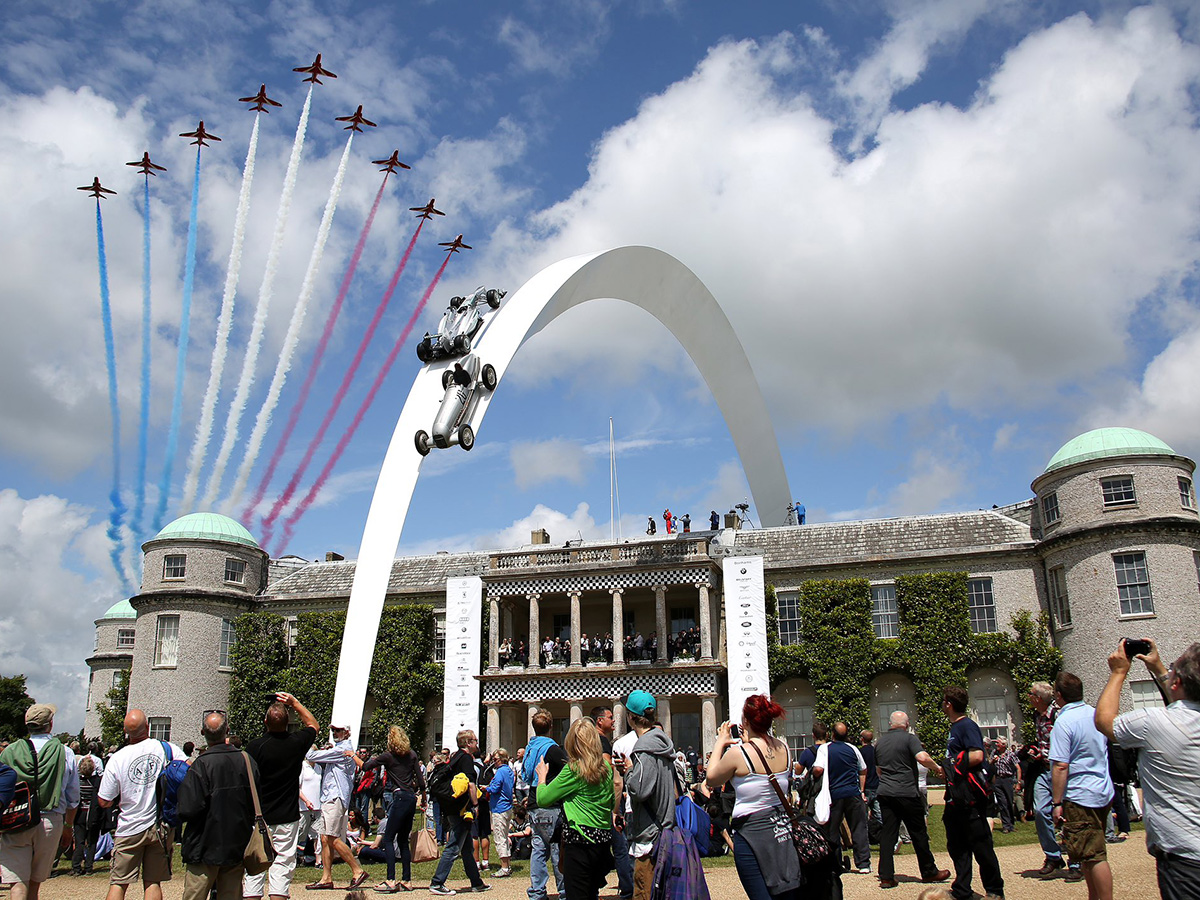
1168, 741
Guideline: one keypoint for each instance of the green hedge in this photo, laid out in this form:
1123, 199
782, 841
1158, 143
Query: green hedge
839, 654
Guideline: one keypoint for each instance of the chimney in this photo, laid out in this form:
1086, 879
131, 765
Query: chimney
541, 536
331, 556
732, 520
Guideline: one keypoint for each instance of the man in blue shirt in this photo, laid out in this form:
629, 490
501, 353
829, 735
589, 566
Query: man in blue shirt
1081, 785
848, 795
968, 830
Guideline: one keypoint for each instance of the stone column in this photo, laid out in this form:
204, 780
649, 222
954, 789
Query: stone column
660, 621
619, 727
493, 634
530, 712
705, 623
535, 631
493, 725
708, 722
722, 636
663, 713
576, 710
576, 655
618, 626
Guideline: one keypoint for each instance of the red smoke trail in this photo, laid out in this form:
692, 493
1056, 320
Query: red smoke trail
290, 524
318, 355
335, 404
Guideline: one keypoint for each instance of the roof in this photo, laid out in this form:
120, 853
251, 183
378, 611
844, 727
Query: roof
1106, 443
122, 610
207, 526
860, 541
409, 575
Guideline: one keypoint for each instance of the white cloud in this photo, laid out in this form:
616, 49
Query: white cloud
539, 462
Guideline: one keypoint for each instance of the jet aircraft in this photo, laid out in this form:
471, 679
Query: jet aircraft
455, 245
95, 189
390, 164
200, 135
145, 166
314, 71
355, 120
260, 101
427, 211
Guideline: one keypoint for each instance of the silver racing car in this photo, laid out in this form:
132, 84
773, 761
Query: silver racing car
452, 423
460, 323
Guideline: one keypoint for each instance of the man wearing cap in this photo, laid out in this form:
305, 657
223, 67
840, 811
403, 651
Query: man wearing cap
129, 780
26, 857
650, 784
337, 782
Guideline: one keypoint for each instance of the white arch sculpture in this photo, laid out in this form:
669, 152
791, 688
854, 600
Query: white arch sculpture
643, 276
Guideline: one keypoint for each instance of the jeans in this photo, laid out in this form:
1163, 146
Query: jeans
854, 811
1005, 801
751, 874
967, 836
543, 821
86, 834
439, 829
1121, 807
399, 823
624, 864
1178, 878
873, 804
1042, 808
909, 811
457, 843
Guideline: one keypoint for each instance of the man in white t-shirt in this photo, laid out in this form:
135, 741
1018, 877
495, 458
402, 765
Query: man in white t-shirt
129, 780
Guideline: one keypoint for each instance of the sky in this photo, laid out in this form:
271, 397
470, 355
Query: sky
950, 235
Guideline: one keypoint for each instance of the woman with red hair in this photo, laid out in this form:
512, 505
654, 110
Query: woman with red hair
762, 847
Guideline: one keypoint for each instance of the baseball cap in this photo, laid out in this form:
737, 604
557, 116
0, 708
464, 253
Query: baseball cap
641, 703
40, 714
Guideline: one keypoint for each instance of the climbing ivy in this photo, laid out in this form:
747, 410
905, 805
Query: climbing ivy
259, 659
839, 654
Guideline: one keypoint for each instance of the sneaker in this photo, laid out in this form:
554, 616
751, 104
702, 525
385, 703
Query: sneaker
864, 871
480, 888
483, 866
442, 890
503, 873
1075, 873
1050, 866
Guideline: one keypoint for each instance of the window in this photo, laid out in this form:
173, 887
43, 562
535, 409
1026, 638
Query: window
1133, 584
1145, 695
116, 679
125, 638
630, 623
885, 617
562, 626
788, 606
174, 566
992, 716
1187, 493
293, 629
981, 605
883, 716
1050, 509
235, 571
439, 638
160, 728
166, 641
682, 618
798, 722
1060, 606
228, 639
1118, 491
1196, 560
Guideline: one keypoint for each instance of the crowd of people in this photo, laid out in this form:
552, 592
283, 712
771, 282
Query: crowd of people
597, 803
556, 651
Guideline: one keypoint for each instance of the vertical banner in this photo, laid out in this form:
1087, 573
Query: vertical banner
464, 632
745, 631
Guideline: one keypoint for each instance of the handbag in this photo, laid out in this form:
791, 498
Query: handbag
260, 852
807, 836
25, 809
423, 846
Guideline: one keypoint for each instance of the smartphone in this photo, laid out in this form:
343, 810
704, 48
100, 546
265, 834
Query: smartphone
1134, 646
735, 732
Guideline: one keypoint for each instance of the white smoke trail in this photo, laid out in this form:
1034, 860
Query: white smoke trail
292, 338
238, 406
216, 367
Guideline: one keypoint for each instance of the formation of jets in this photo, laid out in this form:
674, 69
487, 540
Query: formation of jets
355, 120
427, 211
260, 101
200, 135
145, 166
455, 245
391, 163
314, 71
95, 189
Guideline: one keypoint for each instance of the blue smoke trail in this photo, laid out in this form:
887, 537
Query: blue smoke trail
189, 274
117, 513
143, 427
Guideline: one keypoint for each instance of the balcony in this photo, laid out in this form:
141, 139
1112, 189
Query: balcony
674, 549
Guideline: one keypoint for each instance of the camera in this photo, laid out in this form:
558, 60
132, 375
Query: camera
735, 732
1133, 647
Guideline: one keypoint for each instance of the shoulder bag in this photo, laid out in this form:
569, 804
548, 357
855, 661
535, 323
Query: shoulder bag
807, 836
260, 852
25, 809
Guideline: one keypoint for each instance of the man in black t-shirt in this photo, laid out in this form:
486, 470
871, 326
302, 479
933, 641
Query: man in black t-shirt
458, 820
280, 756
968, 831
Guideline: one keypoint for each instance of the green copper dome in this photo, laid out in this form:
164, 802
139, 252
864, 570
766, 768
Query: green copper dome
207, 526
122, 610
1107, 443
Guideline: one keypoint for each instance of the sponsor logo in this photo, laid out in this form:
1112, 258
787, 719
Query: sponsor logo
744, 625
743, 571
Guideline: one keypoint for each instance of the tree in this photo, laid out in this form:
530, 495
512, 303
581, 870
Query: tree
13, 702
112, 713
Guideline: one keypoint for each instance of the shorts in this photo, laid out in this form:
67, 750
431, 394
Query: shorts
140, 851
27, 856
1083, 833
334, 819
285, 839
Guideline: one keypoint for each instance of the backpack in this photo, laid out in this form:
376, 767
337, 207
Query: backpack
695, 821
440, 789
966, 787
678, 872
373, 784
167, 789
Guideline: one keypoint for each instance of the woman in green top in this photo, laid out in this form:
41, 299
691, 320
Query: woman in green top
585, 789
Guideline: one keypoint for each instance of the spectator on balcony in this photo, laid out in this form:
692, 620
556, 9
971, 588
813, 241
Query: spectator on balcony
714, 521
547, 651
522, 654
639, 645
686, 521
608, 648
505, 651
670, 520
651, 528
585, 648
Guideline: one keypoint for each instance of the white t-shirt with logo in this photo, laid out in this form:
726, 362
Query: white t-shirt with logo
130, 777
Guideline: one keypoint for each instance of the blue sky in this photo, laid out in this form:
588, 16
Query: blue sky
951, 235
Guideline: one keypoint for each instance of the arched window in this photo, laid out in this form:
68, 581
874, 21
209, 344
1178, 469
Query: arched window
797, 698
